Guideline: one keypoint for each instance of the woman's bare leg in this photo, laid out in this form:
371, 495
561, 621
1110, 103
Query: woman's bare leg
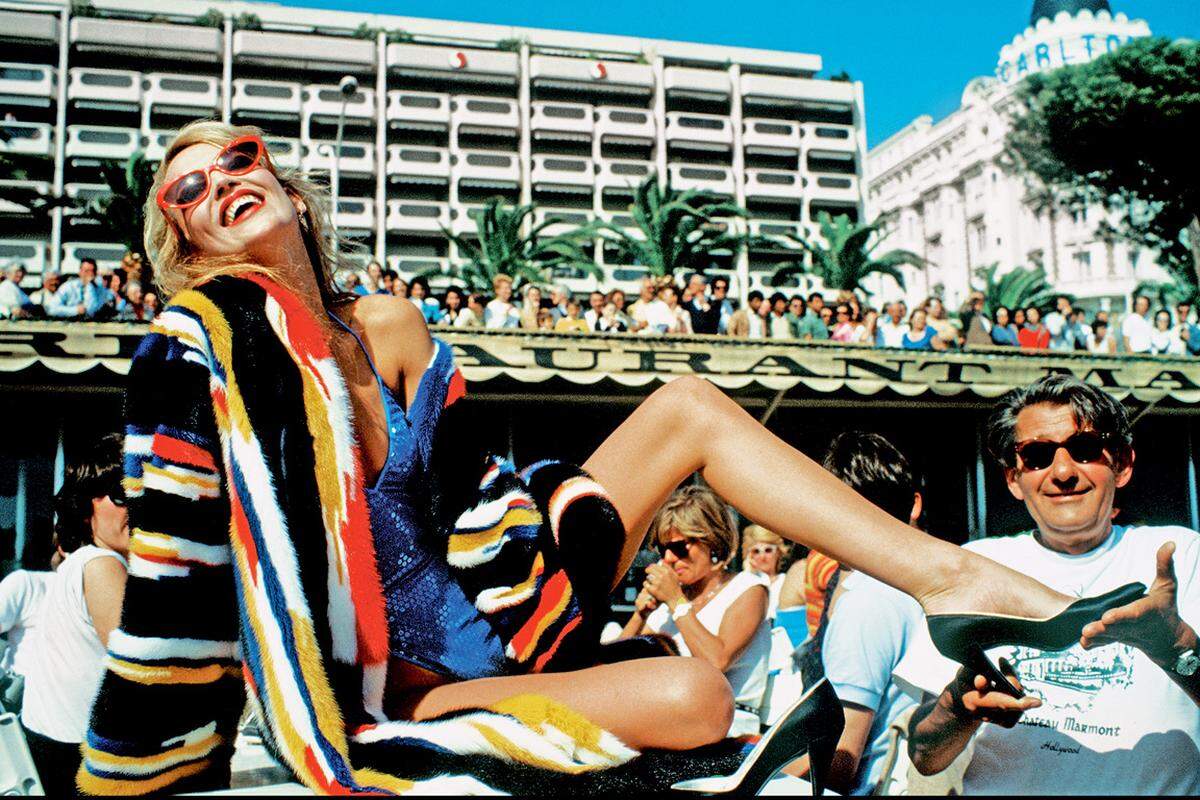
690, 425
668, 703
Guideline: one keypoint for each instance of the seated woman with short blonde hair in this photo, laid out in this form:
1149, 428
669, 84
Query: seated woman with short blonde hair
711, 613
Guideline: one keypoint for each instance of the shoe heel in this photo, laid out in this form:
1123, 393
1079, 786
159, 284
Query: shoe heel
820, 759
978, 661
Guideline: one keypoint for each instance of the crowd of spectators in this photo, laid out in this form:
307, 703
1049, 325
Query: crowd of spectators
662, 307
702, 306
94, 294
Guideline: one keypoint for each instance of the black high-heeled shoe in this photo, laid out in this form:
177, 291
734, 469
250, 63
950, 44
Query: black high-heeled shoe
812, 725
965, 637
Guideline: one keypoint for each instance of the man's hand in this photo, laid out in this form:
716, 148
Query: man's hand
973, 698
1151, 624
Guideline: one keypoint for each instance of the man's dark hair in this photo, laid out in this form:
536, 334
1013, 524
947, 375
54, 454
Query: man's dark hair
1091, 408
870, 465
754, 295
775, 298
94, 473
390, 273
816, 295
723, 281
87, 260
421, 281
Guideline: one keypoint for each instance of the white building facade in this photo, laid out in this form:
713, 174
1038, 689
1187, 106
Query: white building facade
447, 115
953, 205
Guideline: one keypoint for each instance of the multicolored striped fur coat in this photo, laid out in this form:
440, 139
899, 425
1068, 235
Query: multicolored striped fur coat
252, 566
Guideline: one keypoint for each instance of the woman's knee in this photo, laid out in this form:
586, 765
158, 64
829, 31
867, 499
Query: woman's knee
688, 399
701, 701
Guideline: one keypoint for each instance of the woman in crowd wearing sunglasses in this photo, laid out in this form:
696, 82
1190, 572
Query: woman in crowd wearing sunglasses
265, 397
710, 613
765, 552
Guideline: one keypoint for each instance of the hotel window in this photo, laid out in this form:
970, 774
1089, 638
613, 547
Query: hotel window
1083, 264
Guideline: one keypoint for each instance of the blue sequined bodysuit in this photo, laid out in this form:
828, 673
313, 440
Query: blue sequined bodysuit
431, 622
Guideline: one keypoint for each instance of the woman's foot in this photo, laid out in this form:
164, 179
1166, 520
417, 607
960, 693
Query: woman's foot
979, 585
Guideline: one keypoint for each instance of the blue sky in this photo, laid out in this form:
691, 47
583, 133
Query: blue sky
914, 56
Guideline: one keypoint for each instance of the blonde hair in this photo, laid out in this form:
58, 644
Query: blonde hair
177, 267
696, 512
500, 279
757, 534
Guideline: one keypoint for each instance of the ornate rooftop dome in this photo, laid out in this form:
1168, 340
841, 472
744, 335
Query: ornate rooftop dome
1049, 8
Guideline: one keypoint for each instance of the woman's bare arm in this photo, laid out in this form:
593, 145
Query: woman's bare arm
733, 636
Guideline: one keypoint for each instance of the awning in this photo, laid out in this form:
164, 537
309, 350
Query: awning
624, 367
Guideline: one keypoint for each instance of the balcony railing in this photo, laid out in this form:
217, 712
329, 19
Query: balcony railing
417, 216
420, 107
689, 127
706, 177
569, 117
620, 173
29, 254
618, 121
94, 141
771, 133
354, 157
284, 151
183, 91
326, 101
774, 183
27, 138
356, 212
413, 161
26, 81
104, 85
493, 112
563, 169
254, 97
486, 165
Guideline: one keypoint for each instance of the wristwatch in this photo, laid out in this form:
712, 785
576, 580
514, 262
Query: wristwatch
1188, 663
683, 609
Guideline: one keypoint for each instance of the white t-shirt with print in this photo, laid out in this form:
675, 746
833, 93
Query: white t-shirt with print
1111, 721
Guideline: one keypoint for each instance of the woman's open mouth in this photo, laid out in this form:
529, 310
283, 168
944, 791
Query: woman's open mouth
239, 207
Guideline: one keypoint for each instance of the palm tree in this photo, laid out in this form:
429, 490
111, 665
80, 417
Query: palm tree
122, 209
1018, 288
847, 255
504, 248
678, 231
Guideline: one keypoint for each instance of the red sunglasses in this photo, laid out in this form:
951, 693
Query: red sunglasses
239, 157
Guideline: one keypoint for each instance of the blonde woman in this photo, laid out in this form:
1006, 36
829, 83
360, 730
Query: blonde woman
764, 553
691, 596
284, 478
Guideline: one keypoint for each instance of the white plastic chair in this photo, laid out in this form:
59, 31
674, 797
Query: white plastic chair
18, 777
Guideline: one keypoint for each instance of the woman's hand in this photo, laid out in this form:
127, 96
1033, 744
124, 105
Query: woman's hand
663, 585
645, 603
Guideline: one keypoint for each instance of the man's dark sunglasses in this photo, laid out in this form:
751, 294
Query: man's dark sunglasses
1084, 447
116, 494
678, 548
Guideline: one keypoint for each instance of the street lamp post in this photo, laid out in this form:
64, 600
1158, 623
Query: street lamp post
347, 86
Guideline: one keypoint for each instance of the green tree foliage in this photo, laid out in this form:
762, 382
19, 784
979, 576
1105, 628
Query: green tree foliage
122, 209
1165, 294
1018, 288
1121, 131
504, 248
845, 255
211, 19
677, 231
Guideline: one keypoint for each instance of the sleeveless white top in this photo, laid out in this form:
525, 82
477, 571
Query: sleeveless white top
748, 675
67, 658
